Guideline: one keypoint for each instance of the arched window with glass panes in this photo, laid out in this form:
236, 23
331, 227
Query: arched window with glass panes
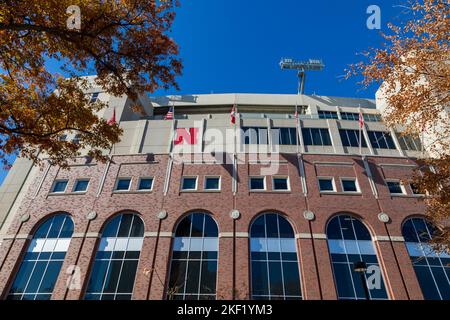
43, 260
275, 273
432, 268
193, 271
114, 269
356, 270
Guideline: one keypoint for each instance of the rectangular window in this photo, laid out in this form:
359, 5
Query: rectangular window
62, 137
284, 136
280, 184
76, 139
255, 135
328, 115
409, 143
349, 185
60, 186
326, 185
212, 183
415, 189
395, 187
81, 185
145, 184
350, 116
257, 183
189, 183
372, 117
94, 97
381, 140
316, 137
123, 184
350, 138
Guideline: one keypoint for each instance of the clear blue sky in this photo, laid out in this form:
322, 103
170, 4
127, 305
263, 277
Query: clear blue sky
234, 46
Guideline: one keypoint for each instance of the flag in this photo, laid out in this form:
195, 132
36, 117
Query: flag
169, 115
112, 121
296, 113
233, 114
361, 120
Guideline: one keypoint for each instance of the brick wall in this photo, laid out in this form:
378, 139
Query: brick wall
233, 276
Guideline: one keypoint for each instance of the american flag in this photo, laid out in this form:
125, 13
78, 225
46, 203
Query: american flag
361, 120
233, 114
169, 115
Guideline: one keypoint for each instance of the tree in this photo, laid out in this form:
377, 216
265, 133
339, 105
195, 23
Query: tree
124, 42
413, 68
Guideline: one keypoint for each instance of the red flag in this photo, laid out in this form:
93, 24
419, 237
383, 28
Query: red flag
233, 114
296, 114
361, 120
112, 121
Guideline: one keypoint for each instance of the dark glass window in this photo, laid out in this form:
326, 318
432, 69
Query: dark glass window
280, 184
350, 138
193, 272
372, 117
316, 137
349, 185
394, 187
381, 140
81, 185
94, 97
350, 116
326, 184
255, 135
409, 143
42, 263
432, 268
284, 136
273, 259
328, 115
257, 183
114, 269
212, 183
189, 183
60, 186
123, 184
145, 184
349, 241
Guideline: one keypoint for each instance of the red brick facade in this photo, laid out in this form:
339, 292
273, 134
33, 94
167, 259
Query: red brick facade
233, 271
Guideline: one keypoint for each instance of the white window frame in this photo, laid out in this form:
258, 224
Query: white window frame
81, 179
333, 182
342, 179
189, 177
257, 177
117, 184
401, 187
214, 177
145, 190
288, 182
416, 194
54, 185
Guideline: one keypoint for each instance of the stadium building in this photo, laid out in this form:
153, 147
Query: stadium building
225, 196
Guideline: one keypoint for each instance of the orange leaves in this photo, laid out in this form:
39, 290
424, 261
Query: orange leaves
124, 40
414, 69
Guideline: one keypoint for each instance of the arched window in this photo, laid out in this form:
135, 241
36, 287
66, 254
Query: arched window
350, 242
274, 263
117, 258
42, 263
193, 272
432, 269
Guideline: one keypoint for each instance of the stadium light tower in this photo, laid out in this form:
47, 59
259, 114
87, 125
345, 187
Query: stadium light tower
302, 67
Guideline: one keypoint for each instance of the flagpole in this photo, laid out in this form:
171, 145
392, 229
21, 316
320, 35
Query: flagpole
296, 129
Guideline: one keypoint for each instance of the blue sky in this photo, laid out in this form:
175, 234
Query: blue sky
234, 46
